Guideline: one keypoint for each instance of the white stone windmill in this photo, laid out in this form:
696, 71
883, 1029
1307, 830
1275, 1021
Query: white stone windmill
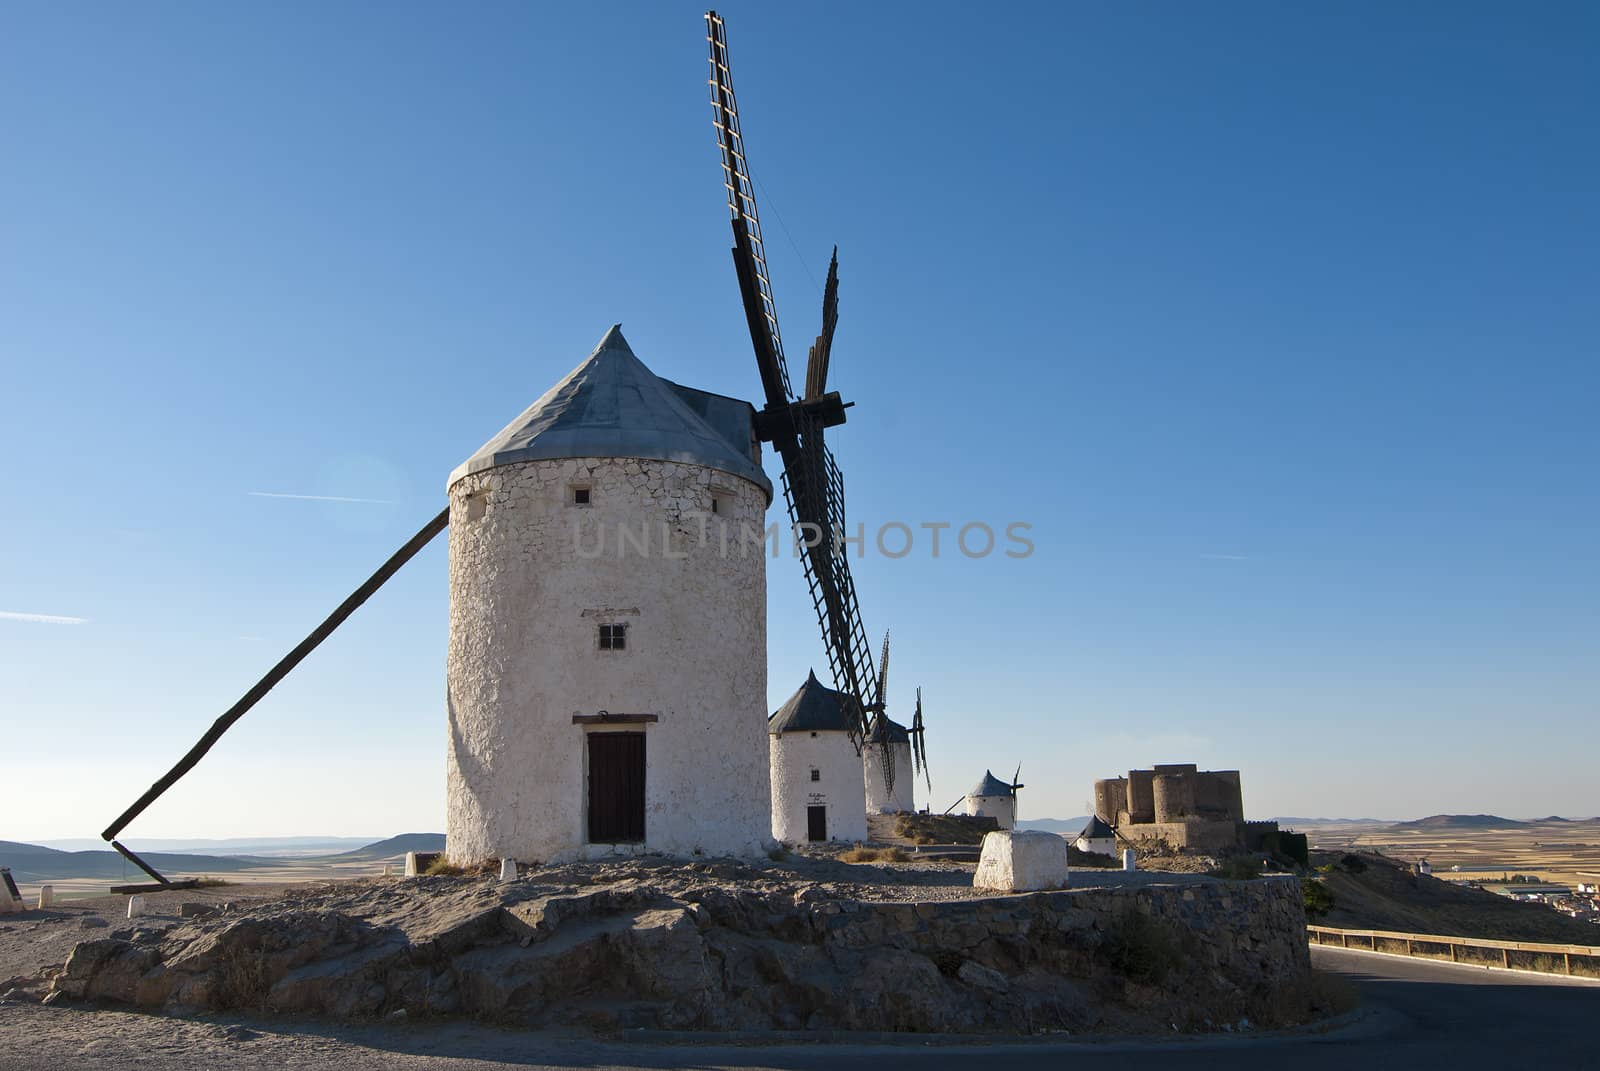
817, 788
890, 747
607, 657
637, 723
993, 798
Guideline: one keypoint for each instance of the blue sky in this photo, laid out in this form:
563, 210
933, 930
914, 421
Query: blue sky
1277, 325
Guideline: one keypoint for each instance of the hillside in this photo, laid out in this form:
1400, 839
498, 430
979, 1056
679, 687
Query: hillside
393, 846
1460, 821
1376, 893
32, 862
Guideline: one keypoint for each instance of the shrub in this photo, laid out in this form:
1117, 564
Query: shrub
1238, 868
778, 854
1354, 864
1141, 948
1318, 900
443, 868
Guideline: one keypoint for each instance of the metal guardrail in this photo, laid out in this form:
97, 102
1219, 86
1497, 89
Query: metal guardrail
1531, 955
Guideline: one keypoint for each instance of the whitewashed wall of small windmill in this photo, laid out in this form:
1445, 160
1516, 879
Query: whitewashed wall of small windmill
838, 787
881, 799
1001, 808
524, 657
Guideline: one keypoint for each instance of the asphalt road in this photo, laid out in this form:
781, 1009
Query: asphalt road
1413, 1010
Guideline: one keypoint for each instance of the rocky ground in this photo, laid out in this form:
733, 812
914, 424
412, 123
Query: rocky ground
798, 944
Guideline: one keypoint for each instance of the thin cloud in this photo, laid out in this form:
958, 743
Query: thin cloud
42, 619
322, 498
1227, 557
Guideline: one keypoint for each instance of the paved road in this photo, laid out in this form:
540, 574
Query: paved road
1414, 1011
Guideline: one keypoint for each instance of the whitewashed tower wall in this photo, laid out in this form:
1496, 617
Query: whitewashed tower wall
881, 799
526, 603
839, 785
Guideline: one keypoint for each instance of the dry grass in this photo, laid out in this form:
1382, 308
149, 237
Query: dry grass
862, 854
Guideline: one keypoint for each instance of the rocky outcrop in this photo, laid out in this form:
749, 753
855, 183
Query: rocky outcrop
680, 948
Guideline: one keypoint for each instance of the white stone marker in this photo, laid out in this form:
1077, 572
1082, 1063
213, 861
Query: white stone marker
508, 870
388, 870
1129, 862
135, 906
411, 865
47, 896
1022, 861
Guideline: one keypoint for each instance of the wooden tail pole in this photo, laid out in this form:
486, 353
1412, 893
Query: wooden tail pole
274, 675
127, 853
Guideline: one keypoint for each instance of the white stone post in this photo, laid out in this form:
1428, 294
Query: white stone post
1129, 862
135, 906
508, 870
411, 865
47, 896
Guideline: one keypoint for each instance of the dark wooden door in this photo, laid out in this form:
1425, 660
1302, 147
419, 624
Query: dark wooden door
616, 788
816, 823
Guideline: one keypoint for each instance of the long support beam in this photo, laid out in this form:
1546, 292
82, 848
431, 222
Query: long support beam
266, 684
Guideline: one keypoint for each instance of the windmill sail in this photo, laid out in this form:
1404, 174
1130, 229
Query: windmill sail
812, 485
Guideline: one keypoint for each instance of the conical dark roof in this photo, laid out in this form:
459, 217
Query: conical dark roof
887, 730
990, 786
815, 708
1096, 829
611, 405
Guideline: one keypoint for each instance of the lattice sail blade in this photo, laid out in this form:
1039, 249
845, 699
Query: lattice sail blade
883, 676
822, 349
740, 189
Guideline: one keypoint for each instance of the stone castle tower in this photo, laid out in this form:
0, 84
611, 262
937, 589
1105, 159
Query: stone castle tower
607, 652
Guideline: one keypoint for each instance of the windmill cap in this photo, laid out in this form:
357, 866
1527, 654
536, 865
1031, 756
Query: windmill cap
612, 406
1096, 829
814, 707
990, 786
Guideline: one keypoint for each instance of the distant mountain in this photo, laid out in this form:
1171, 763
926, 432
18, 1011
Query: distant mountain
387, 849
1055, 825
1548, 819
11, 849
275, 846
33, 862
1295, 820
1459, 821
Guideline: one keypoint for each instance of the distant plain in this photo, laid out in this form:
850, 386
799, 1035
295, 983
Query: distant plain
1561, 851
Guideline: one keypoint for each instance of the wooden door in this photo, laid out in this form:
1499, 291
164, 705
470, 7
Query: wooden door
616, 788
816, 823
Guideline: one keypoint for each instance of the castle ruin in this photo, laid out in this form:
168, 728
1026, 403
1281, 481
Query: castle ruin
1189, 809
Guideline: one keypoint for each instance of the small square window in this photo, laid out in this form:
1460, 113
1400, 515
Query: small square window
613, 637
580, 496
816, 774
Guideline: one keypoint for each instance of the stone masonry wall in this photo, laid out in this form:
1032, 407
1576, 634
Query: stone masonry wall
532, 577
732, 951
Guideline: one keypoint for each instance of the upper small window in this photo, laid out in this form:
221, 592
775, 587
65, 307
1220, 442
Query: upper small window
613, 637
580, 496
816, 774
477, 505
